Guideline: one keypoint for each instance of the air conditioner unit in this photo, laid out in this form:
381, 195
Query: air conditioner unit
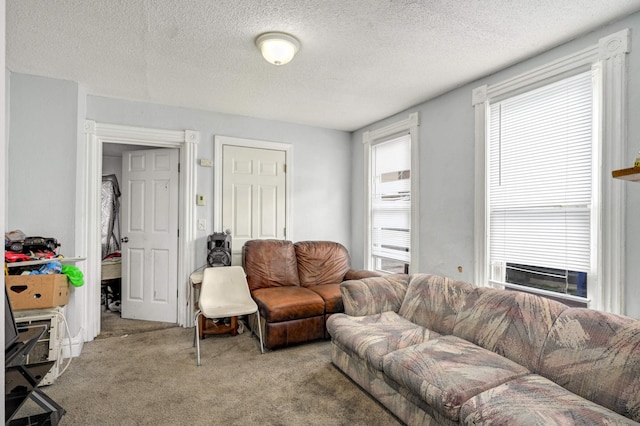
49, 346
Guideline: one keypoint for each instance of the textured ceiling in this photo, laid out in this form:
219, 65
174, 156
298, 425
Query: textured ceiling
360, 60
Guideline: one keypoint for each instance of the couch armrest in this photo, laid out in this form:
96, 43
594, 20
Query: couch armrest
353, 274
374, 295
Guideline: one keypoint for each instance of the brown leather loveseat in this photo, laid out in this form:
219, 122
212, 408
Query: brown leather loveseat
296, 287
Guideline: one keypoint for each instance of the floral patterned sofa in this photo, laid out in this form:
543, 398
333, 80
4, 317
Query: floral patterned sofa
438, 351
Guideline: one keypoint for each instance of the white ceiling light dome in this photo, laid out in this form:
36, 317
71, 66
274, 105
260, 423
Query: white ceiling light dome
278, 48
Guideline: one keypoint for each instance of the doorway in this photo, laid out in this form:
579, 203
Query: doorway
87, 302
139, 251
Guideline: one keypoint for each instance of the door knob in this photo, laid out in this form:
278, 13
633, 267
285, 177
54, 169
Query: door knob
125, 239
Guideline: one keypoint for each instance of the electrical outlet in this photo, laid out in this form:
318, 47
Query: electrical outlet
202, 224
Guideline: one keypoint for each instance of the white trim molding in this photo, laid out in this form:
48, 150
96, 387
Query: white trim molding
608, 59
370, 137
72, 347
88, 224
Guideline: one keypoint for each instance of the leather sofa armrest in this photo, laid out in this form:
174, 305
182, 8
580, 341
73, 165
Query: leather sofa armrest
353, 274
374, 295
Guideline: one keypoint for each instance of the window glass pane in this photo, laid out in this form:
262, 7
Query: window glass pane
540, 186
391, 204
392, 266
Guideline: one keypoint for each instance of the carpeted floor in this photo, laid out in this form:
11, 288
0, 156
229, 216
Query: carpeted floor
151, 378
112, 325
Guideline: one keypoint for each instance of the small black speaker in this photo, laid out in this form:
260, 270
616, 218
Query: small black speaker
219, 249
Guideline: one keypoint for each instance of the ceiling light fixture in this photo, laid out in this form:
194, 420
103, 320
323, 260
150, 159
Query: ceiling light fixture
278, 48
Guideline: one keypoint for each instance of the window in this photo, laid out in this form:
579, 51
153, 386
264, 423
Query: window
391, 224
548, 216
391, 205
540, 174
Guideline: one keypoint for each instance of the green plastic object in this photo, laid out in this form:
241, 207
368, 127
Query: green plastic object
75, 275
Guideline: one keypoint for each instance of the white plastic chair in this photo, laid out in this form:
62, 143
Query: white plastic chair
224, 292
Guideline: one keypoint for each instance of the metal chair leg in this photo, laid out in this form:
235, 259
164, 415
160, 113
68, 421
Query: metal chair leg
260, 331
197, 339
195, 332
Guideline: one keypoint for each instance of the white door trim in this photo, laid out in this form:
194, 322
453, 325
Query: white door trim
88, 207
219, 142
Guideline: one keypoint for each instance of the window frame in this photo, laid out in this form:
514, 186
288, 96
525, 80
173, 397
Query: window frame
372, 138
593, 77
608, 60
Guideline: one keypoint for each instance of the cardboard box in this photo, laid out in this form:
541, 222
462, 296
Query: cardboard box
37, 291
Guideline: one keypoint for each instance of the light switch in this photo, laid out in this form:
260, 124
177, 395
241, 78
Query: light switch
200, 201
202, 224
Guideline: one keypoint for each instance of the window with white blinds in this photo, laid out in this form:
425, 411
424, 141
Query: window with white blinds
391, 205
540, 186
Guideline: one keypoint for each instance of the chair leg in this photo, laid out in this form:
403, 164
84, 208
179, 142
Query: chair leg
195, 332
260, 331
196, 339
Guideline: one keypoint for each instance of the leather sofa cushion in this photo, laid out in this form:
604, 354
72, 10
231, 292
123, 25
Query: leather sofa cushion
321, 262
281, 334
331, 295
270, 263
278, 304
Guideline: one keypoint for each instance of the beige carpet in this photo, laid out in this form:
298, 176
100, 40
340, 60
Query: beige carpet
112, 325
151, 378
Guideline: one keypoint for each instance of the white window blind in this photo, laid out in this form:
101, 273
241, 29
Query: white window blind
540, 171
391, 199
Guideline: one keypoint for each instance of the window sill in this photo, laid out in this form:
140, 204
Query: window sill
541, 292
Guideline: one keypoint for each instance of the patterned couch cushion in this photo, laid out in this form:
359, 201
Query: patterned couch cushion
433, 301
374, 336
374, 295
534, 400
510, 323
597, 356
447, 371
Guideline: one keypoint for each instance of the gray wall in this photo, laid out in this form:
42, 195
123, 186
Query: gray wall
47, 118
321, 170
447, 170
41, 161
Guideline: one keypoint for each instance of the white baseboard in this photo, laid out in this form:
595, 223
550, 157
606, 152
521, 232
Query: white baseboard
72, 347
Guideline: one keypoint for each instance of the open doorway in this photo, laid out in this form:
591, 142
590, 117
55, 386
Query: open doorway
138, 289
98, 136
111, 228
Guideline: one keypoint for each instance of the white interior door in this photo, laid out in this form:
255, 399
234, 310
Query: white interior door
150, 234
253, 195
